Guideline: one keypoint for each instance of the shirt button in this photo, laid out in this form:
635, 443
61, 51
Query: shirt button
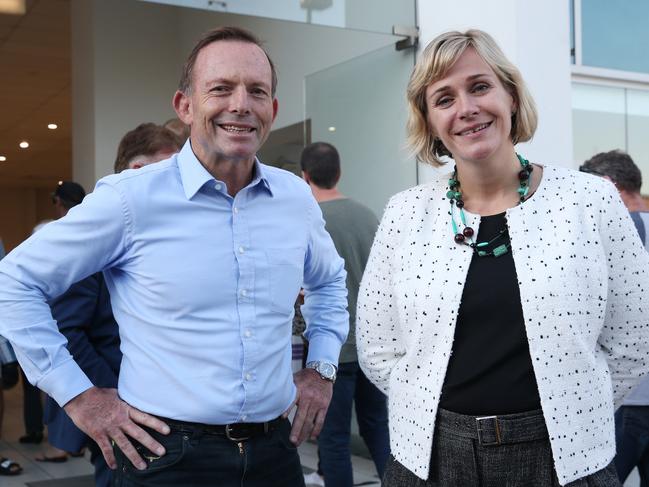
247, 333
241, 250
248, 376
244, 292
244, 417
236, 209
217, 186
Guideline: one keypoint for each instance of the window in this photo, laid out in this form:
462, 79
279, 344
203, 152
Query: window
607, 118
611, 34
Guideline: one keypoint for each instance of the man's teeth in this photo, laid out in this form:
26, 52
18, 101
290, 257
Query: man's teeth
232, 128
477, 129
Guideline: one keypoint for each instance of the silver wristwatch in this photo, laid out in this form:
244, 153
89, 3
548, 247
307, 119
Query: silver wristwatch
326, 370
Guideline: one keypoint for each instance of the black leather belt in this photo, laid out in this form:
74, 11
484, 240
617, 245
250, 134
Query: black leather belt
233, 432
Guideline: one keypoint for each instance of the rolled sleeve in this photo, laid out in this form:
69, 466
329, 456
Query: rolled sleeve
325, 300
93, 236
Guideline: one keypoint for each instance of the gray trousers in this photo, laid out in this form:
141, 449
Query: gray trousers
508, 451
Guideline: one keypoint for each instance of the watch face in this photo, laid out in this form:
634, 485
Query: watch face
327, 370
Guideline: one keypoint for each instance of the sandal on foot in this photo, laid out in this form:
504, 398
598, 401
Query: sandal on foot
7, 467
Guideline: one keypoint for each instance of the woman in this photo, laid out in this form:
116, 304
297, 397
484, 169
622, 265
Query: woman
501, 301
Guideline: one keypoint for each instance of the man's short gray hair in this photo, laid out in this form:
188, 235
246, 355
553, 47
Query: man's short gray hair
618, 166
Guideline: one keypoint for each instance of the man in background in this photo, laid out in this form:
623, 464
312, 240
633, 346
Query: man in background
619, 168
352, 227
145, 144
632, 418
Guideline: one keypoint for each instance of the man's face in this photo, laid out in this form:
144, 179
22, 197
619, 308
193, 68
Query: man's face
230, 108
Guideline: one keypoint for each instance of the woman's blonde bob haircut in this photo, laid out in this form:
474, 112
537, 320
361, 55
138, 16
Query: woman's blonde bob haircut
436, 60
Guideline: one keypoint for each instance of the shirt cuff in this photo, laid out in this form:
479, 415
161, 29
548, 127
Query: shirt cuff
324, 349
65, 382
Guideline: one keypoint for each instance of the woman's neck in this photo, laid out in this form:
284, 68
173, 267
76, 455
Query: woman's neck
490, 186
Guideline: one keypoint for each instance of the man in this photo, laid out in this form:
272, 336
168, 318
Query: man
177, 127
619, 168
84, 315
352, 227
145, 144
632, 418
7, 466
203, 254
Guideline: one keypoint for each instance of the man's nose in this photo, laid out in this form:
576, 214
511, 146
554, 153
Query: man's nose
240, 101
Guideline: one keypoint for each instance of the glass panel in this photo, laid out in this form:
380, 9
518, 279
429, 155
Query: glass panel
359, 107
598, 120
572, 31
638, 128
369, 15
615, 34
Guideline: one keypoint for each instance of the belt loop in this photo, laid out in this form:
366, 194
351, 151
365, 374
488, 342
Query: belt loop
481, 423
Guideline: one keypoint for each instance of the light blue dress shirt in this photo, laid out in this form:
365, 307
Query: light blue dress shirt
201, 283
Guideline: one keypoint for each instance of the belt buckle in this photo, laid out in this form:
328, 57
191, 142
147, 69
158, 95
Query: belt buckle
496, 430
229, 436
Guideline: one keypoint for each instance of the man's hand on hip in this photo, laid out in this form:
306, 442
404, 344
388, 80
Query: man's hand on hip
313, 398
103, 416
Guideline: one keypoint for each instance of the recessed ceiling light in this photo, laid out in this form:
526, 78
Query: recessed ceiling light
24, 144
3, 158
332, 129
52, 126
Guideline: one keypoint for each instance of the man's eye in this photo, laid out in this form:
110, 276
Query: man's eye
219, 89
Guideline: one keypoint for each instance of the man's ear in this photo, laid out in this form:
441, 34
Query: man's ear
275, 108
183, 107
305, 176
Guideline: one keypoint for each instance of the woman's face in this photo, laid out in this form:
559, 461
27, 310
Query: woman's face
470, 110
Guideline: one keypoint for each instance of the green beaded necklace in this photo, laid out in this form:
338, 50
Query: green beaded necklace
454, 194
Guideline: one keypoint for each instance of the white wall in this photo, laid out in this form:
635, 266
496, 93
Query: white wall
127, 58
536, 37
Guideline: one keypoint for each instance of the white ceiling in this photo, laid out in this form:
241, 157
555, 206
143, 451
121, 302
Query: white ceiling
34, 91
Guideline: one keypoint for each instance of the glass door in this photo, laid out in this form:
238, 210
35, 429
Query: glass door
359, 106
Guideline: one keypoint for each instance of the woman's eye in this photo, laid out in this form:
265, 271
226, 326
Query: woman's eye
444, 101
480, 87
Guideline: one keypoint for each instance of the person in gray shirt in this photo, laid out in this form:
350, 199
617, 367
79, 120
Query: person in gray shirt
352, 227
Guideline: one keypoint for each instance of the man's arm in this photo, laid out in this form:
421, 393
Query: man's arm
325, 311
93, 236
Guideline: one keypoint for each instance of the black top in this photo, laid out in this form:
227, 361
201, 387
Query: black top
490, 369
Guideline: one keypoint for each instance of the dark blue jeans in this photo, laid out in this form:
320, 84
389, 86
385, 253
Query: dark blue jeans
197, 459
632, 441
372, 414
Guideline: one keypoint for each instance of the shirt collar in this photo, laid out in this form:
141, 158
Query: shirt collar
194, 175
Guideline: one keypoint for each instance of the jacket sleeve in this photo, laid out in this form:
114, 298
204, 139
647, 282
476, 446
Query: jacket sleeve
624, 337
378, 334
76, 312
